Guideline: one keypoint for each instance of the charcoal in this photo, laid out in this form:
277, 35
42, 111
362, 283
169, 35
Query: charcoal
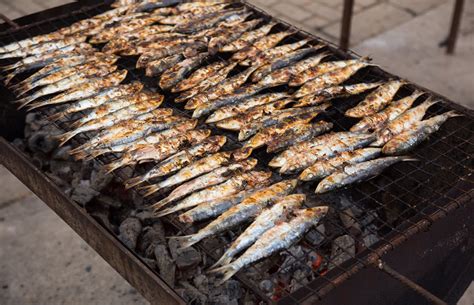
107, 201
151, 236
83, 192
191, 294
187, 258
227, 293
266, 286
100, 179
129, 230
62, 153
368, 218
165, 264
202, 283
370, 239
343, 248
61, 169
173, 245
147, 218
19, 143
42, 141
103, 218
348, 219
316, 236
149, 262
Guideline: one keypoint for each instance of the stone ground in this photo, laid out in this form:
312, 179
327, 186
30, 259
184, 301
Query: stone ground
400, 35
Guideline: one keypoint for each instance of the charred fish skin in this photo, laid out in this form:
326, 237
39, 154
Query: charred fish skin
249, 208
301, 134
174, 75
198, 76
403, 122
376, 101
230, 34
324, 168
264, 222
276, 53
248, 38
419, 132
378, 120
157, 67
280, 237
358, 172
229, 187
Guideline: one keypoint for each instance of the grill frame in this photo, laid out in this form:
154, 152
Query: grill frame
394, 239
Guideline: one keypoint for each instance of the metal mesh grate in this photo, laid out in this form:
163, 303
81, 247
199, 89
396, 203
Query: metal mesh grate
405, 199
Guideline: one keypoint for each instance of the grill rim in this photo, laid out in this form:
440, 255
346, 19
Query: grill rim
425, 222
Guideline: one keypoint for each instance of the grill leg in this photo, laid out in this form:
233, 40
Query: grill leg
455, 23
346, 24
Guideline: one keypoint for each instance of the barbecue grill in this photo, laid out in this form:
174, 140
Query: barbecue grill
374, 224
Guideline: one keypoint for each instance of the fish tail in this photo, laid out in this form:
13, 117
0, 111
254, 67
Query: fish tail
132, 182
9, 78
63, 138
223, 261
82, 155
98, 152
408, 159
452, 114
227, 272
187, 241
166, 211
24, 101
10, 67
76, 124
35, 105
23, 90
56, 116
109, 168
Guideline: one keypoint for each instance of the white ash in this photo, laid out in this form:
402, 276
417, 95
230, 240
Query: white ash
129, 231
165, 264
343, 249
316, 236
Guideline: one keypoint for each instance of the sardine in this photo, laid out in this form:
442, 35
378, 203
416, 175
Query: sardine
275, 118
208, 22
417, 133
248, 38
330, 79
403, 122
158, 152
192, 6
283, 76
280, 237
378, 120
247, 209
301, 133
376, 100
324, 168
176, 73
230, 34
357, 173
189, 16
199, 75
327, 94
238, 122
319, 70
260, 45
85, 90
232, 186
191, 171
276, 53
266, 220
180, 48
225, 87
159, 66
206, 83
234, 110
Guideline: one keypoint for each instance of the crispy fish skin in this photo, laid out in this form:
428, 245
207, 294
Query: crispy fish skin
269, 134
275, 53
102, 97
419, 132
206, 84
263, 222
376, 101
357, 172
229, 187
234, 110
160, 151
230, 34
198, 76
213, 178
324, 168
403, 122
83, 91
225, 87
378, 120
249, 208
156, 67
184, 158
329, 79
280, 237
326, 94
179, 71
279, 63
189, 15
149, 55
208, 21
191, 171
301, 133
275, 118
260, 45
255, 113
320, 69
248, 38
284, 75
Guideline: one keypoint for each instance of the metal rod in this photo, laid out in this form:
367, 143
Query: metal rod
9, 21
409, 283
455, 23
346, 24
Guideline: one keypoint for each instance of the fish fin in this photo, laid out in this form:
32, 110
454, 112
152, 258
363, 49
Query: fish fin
132, 182
227, 272
452, 114
63, 138
186, 241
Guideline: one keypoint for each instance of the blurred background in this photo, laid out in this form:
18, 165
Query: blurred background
403, 36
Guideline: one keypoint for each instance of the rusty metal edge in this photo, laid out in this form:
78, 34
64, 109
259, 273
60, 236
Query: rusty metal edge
127, 264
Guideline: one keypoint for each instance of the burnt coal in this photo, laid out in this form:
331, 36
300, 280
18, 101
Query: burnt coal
191, 294
165, 264
187, 258
343, 248
316, 236
151, 236
83, 192
129, 230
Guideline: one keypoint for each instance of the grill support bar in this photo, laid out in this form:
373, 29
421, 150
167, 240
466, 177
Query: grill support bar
409, 283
